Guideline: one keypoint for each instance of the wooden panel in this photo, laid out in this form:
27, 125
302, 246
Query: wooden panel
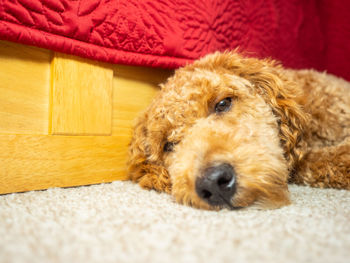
133, 90
24, 89
148, 75
81, 98
31, 162
85, 99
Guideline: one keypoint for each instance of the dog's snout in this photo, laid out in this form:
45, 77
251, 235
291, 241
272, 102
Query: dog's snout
217, 185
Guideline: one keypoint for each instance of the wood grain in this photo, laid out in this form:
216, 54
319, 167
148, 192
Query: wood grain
24, 89
81, 97
32, 162
74, 132
133, 90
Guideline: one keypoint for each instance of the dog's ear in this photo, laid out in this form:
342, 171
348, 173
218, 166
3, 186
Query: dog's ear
141, 169
286, 102
270, 81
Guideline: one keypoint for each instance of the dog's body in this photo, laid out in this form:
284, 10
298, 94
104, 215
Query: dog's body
229, 131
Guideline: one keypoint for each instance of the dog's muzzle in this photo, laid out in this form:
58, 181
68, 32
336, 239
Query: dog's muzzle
217, 185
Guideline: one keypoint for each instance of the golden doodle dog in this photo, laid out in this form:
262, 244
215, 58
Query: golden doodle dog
230, 131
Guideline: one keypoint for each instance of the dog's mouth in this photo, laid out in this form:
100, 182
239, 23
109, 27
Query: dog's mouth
229, 206
226, 204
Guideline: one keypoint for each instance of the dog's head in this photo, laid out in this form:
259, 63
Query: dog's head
222, 132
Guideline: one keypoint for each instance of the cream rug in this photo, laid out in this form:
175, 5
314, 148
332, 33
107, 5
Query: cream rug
120, 222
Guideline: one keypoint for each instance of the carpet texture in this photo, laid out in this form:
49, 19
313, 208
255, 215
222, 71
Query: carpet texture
120, 222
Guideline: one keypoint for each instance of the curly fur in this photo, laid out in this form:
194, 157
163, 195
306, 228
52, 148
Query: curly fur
284, 125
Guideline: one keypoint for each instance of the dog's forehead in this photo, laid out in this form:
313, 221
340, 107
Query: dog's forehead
210, 77
188, 94
195, 80
209, 80
191, 89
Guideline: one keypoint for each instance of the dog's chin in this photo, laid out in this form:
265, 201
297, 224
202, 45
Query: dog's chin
242, 199
200, 204
273, 198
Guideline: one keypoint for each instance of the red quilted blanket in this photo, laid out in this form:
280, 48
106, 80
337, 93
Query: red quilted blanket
170, 33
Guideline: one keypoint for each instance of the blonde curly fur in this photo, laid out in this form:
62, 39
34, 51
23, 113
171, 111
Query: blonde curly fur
284, 126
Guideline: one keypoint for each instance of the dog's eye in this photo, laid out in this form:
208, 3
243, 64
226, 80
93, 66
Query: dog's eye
168, 146
223, 105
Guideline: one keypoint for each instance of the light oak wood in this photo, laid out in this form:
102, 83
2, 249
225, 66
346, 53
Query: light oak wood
133, 90
24, 89
81, 97
32, 162
74, 132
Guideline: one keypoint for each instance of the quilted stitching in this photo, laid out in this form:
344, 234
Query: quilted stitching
169, 33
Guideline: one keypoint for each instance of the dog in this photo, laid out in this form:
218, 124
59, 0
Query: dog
231, 131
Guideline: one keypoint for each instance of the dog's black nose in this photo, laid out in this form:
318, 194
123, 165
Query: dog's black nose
217, 185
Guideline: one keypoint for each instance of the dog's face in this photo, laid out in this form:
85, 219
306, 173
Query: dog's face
212, 140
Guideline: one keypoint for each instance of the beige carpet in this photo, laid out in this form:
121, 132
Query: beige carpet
119, 222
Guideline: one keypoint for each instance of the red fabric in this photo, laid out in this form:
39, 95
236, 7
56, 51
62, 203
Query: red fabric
171, 33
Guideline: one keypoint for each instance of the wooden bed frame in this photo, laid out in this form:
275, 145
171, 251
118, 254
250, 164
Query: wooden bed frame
66, 121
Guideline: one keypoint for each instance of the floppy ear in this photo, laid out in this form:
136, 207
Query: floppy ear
285, 99
282, 94
146, 172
